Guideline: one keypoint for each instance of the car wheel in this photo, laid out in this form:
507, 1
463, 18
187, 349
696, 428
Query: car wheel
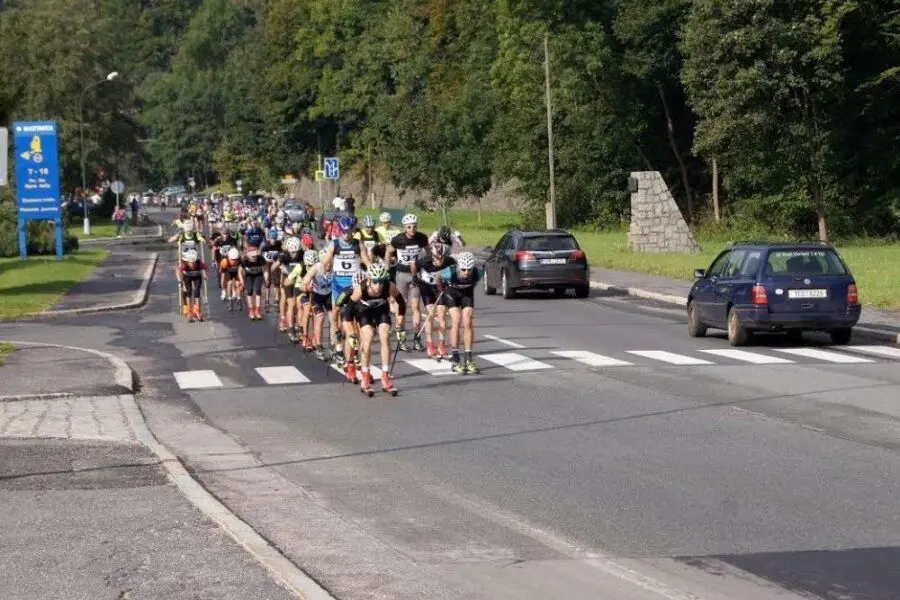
737, 334
695, 327
504, 287
841, 336
582, 291
488, 290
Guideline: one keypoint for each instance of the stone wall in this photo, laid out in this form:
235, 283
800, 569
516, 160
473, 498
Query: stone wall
657, 224
499, 198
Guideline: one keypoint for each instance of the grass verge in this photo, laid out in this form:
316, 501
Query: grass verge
100, 228
873, 262
4, 350
38, 283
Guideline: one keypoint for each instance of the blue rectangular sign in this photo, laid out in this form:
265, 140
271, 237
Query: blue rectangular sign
332, 168
37, 170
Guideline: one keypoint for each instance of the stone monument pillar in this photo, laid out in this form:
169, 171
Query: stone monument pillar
657, 224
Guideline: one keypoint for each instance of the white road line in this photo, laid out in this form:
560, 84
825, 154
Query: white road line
591, 359
670, 357
430, 366
504, 342
750, 357
281, 375
515, 362
832, 357
375, 371
886, 351
195, 380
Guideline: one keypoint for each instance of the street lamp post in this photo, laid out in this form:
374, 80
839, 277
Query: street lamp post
84, 198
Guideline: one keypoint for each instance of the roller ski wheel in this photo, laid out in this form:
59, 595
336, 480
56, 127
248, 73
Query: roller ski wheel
471, 369
350, 372
387, 385
320, 353
459, 368
417, 345
365, 386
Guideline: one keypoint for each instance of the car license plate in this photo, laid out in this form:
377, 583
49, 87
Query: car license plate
553, 261
807, 293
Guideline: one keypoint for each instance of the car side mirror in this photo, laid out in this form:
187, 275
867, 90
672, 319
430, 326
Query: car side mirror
699, 273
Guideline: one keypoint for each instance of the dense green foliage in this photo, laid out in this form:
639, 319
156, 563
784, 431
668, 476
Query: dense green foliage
798, 102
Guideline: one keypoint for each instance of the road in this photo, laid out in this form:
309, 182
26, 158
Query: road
601, 453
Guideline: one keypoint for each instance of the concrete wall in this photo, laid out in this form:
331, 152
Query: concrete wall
657, 224
499, 198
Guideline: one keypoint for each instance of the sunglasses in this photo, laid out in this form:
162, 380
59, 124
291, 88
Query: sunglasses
411, 226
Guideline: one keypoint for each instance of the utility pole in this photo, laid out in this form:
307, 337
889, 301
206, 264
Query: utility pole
715, 166
551, 206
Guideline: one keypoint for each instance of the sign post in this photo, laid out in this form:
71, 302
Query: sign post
239, 184
333, 171
4, 153
37, 179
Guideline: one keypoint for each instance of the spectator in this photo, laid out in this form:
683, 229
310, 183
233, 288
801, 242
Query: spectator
350, 204
135, 208
339, 204
119, 220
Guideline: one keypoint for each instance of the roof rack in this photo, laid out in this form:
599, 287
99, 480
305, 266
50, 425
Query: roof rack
780, 243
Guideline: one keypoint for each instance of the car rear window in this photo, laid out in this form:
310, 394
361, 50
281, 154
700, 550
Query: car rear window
804, 262
548, 243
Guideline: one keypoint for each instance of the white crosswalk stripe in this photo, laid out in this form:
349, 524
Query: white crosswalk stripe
885, 351
515, 361
431, 366
281, 375
750, 357
670, 357
591, 359
832, 357
197, 380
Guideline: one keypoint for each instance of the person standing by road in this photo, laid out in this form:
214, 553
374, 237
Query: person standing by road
119, 219
135, 207
350, 205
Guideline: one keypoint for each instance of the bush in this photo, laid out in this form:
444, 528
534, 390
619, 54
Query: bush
40, 235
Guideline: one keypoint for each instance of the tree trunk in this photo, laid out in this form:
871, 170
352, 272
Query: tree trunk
819, 202
670, 129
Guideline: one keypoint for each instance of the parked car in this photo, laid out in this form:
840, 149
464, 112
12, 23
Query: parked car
774, 287
537, 260
294, 210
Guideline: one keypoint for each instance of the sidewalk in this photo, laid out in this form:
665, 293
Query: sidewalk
90, 511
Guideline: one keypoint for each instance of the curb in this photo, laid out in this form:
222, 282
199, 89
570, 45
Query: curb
140, 298
124, 240
124, 377
282, 569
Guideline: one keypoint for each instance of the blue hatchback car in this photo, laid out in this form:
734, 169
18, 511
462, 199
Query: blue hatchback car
773, 287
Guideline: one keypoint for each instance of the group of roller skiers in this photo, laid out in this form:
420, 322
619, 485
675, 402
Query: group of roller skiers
362, 280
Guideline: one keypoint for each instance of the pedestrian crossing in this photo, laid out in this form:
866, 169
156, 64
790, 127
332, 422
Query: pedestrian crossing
541, 360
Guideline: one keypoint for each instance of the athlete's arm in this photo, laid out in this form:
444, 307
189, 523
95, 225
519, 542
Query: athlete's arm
364, 255
356, 296
328, 261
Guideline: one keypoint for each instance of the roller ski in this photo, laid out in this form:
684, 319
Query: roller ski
365, 385
417, 344
438, 354
320, 353
387, 384
350, 372
402, 340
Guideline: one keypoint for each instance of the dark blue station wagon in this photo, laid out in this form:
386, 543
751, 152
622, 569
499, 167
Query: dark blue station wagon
760, 286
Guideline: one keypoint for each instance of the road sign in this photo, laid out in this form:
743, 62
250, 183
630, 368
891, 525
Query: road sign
192, 183
117, 187
288, 180
4, 152
37, 178
320, 175
333, 168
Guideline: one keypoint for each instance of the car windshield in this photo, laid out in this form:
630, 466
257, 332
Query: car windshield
804, 262
548, 243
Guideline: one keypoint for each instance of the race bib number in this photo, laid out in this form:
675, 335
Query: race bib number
408, 255
270, 255
224, 248
346, 263
189, 244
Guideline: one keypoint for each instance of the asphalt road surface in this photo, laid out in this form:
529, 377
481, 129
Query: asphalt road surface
600, 443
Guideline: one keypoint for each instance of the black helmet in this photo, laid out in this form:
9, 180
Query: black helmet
445, 235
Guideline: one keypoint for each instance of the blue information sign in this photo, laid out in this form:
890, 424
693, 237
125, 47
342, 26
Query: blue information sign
37, 177
332, 168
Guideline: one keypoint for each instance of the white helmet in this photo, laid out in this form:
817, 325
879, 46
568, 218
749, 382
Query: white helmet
310, 257
385, 217
188, 226
466, 260
234, 254
410, 219
189, 256
292, 245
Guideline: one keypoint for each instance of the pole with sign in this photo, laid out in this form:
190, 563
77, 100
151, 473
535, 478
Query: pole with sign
4, 153
333, 171
37, 179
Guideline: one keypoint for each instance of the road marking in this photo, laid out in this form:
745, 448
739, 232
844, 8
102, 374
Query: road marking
670, 357
375, 371
832, 357
515, 362
591, 359
886, 351
431, 366
504, 342
281, 375
750, 357
194, 380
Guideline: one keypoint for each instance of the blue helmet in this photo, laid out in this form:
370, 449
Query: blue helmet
346, 224
273, 233
369, 221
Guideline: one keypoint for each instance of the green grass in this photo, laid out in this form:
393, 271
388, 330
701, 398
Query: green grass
4, 350
38, 283
100, 228
873, 262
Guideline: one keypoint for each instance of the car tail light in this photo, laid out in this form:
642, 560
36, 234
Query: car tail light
577, 256
852, 294
759, 295
523, 256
